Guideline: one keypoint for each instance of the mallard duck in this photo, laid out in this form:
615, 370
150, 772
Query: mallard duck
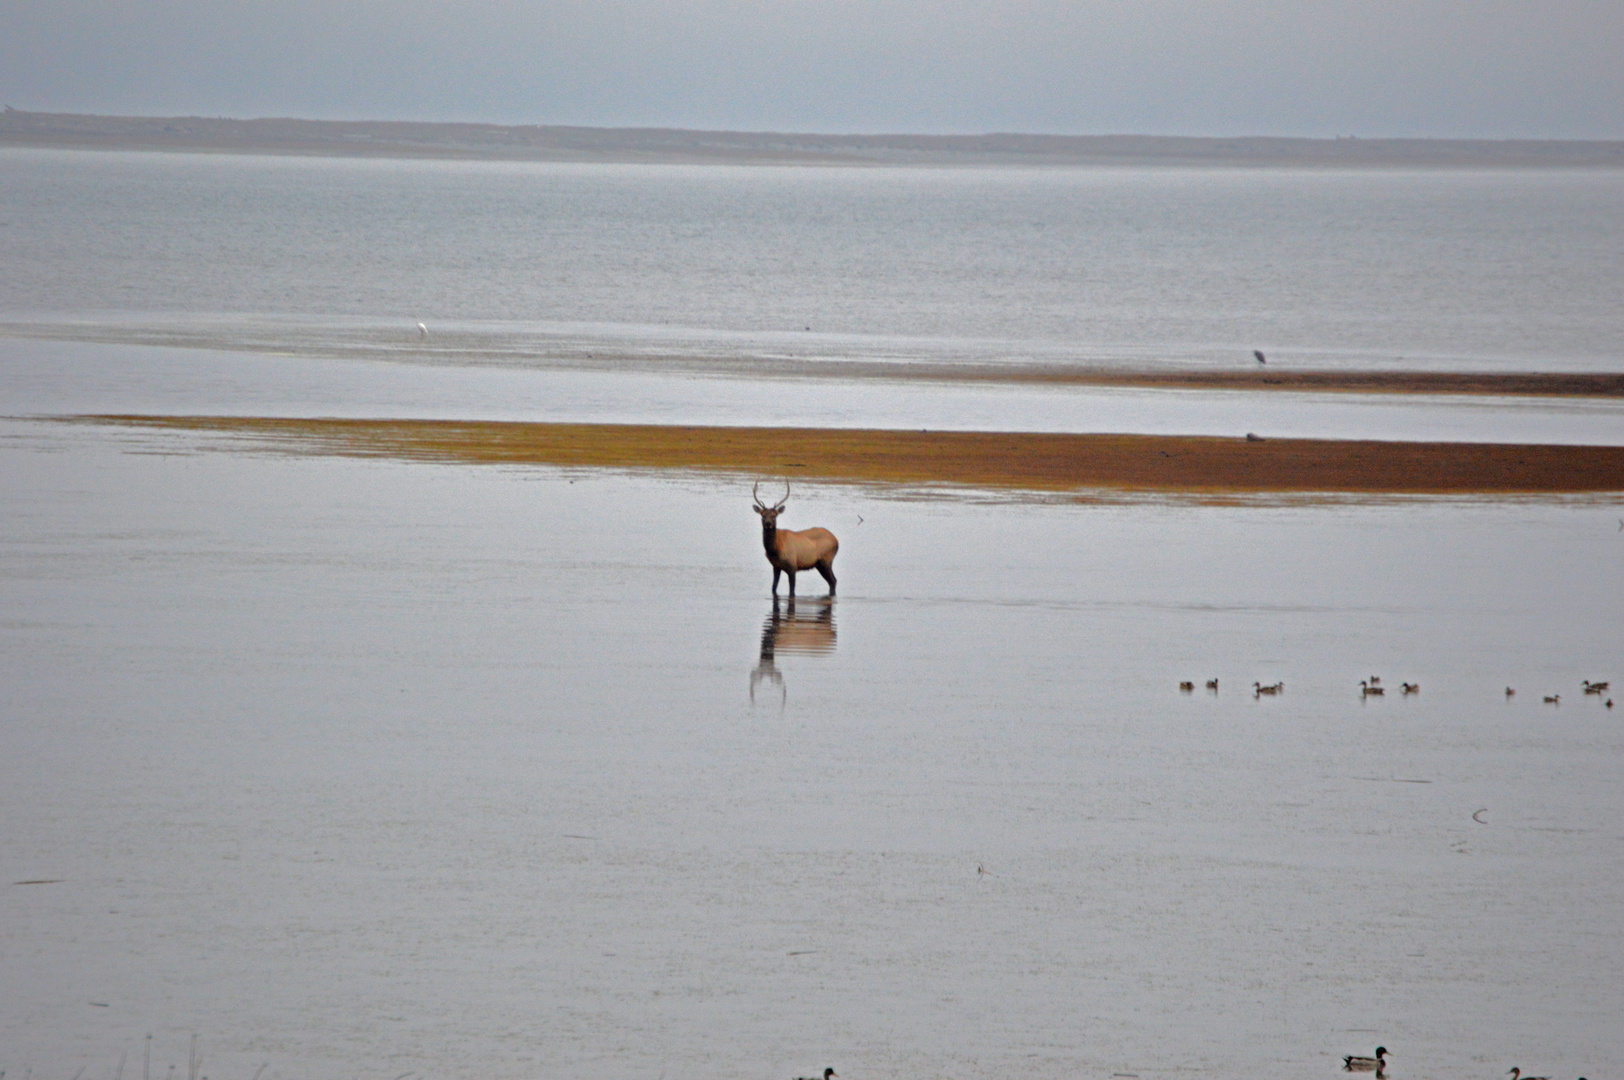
827, 1073
1515, 1072
1353, 1063
1411, 688
1371, 690
1553, 699
1187, 687
1595, 687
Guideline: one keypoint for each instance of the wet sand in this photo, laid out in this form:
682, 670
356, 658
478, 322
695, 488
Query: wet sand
998, 460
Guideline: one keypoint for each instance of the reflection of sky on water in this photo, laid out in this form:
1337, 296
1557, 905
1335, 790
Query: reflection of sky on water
373, 765
60, 377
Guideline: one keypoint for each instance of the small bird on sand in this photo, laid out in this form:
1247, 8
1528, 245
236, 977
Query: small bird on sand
1259, 354
1354, 1063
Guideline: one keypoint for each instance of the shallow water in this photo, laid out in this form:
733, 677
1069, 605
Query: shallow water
378, 768
1449, 269
360, 767
55, 378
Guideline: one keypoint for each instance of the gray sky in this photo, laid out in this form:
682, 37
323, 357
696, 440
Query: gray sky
1460, 68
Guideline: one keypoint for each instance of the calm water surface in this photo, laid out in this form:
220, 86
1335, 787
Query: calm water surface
1512, 270
361, 767
379, 769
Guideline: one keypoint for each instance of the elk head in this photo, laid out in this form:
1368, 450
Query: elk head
769, 514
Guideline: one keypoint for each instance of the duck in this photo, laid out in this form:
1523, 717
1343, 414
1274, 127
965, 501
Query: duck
1510, 692
1187, 687
1553, 699
1515, 1072
1212, 684
827, 1073
1258, 689
1595, 687
1370, 689
1411, 688
1354, 1063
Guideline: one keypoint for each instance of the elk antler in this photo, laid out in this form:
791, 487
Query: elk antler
755, 496
785, 499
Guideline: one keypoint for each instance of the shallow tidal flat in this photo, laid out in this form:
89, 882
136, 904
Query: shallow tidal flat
997, 460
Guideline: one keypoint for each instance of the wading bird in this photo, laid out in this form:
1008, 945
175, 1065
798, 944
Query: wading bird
790, 551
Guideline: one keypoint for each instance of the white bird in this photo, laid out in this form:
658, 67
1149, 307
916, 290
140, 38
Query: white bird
422, 331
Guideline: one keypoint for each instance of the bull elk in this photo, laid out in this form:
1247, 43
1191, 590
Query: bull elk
790, 551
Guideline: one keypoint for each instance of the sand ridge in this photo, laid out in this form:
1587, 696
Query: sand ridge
983, 459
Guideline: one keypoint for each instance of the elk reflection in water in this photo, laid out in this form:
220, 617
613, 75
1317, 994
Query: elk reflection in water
811, 630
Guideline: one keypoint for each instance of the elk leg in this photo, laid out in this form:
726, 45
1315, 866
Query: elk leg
828, 572
776, 572
791, 574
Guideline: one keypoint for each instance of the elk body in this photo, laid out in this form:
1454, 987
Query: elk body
790, 551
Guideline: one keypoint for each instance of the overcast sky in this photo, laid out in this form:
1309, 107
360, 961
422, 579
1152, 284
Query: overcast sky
1457, 68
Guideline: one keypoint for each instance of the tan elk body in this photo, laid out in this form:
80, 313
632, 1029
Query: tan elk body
790, 551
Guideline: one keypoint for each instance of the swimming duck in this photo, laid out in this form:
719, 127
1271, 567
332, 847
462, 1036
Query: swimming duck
1553, 699
1510, 692
827, 1073
1595, 687
1187, 687
1515, 1072
1353, 1063
1370, 689
1411, 688
1212, 684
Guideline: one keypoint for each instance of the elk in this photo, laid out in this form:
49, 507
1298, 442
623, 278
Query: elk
789, 551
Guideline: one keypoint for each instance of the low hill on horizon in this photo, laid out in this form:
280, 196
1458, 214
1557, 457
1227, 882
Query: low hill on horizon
409, 139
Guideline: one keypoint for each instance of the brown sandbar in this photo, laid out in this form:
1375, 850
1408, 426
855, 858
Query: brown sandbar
1007, 460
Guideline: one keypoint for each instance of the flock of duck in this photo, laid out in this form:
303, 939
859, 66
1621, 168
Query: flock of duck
1599, 689
1378, 1065
1372, 687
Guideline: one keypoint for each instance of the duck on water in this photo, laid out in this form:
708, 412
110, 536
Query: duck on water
1377, 1064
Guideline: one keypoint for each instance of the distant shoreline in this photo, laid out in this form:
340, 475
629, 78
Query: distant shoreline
1151, 464
492, 142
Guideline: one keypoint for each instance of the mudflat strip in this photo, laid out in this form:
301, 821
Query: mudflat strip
1010, 460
